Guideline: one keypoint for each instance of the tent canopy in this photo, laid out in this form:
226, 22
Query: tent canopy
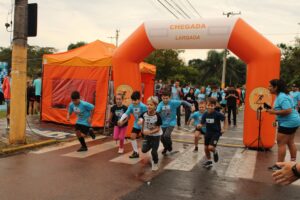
147, 68
97, 53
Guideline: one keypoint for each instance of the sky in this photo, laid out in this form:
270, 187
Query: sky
61, 22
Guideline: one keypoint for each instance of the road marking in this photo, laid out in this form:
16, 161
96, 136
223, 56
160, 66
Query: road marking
94, 150
187, 160
242, 165
62, 145
124, 158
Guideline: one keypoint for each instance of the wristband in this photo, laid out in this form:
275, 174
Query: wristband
295, 171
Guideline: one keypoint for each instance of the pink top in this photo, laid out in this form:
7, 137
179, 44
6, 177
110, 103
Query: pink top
6, 87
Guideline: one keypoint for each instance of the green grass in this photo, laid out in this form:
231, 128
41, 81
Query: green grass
2, 114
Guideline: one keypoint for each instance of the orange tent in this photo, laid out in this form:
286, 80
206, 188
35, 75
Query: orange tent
87, 70
148, 73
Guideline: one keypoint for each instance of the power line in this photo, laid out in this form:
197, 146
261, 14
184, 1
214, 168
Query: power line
187, 8
193, 8
174, 8
179, 7
168, 9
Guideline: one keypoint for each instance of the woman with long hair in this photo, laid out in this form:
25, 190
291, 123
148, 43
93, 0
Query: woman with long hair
288, 121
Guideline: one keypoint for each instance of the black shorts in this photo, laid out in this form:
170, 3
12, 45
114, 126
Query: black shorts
82, 128
286, 130
136, 131
223, 105
211, 139
38, 98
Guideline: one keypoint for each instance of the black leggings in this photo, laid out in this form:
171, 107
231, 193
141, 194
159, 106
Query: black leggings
151, 142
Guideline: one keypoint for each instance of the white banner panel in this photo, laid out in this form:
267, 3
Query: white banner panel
190, 34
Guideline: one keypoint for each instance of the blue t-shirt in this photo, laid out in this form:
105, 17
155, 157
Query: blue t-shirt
37, 84
208, 90
175, 93
201, 97
136, 111
223, 94
197, 116
186, 91
197, 91
284, 102
83, 112
296, 97
212, 122
168, 112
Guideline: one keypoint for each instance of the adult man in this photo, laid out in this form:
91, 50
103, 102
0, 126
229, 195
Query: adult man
232, 96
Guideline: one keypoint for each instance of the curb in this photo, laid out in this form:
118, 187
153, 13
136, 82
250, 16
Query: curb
219, 144
28, 146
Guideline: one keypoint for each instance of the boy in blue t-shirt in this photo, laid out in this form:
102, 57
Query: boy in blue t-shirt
212, 119
136, 108
196, 117
84, 112
167, 109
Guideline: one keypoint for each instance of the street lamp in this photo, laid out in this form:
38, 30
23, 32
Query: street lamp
228, 14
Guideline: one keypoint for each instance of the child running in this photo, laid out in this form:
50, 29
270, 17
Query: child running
84, 112
116, 113
167, 109
212, 119
136, 108
151, 123
196, 118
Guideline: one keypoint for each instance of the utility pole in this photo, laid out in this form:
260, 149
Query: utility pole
17, 131
116, 37
228, 14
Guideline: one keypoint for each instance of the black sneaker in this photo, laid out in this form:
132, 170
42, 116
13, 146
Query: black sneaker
164, 152
208, 164
82, 149
216, 156
134, 155
274, 168
196, 149
170, 149
91, 133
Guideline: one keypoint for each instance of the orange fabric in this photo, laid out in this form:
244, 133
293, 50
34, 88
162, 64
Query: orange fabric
147, 68
125, 62
263, 64
148, 82
6, 88
97, 53
55, 72
148, 73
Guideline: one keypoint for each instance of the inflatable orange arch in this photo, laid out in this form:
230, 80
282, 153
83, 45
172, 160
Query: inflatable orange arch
260, 55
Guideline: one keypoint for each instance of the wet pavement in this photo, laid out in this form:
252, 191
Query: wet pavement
59, 172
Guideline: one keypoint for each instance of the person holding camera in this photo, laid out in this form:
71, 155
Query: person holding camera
288, 121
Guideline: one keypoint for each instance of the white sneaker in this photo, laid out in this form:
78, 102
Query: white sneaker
121, 150
154, 167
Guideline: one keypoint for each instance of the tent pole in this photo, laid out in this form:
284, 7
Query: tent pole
107, 100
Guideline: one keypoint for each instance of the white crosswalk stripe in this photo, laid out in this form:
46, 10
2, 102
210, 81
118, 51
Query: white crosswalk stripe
94, 150
187, 160
62, 146
126, 160
242, 165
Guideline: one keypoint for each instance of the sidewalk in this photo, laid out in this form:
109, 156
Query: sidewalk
37, 134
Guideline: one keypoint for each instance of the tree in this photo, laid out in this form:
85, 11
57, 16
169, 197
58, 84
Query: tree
166, 62
290, 62
34, 58
76, 45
